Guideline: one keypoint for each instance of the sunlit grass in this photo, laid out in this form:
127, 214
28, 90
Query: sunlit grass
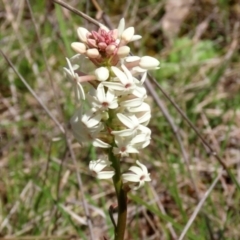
36, 171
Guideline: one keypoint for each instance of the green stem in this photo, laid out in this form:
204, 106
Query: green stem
121, 197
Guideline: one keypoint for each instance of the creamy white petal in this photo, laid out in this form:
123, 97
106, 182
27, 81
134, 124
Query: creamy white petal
82, 34
99, 143
132, 103
121, 76
145, 117
136, 170
130, 122
124, 133
105, 174
128, 34
98, 165
132, 59
114, 86
102, 73
79, 47
128, 73
135, 38
147, 62
144, 168
100, 93
121, 27
130, 177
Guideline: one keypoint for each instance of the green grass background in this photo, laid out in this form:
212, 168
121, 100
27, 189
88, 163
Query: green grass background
37, 175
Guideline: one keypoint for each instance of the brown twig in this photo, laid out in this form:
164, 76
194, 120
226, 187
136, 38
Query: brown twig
85, 16
199, 206
211, 150
32, 92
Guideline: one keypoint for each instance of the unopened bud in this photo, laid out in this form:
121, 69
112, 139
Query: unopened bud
82, 34
110, 49
132, 59
102, 73
128, 34
135, 38
92, 53
123, 51
148, 63
78, 47
102, 46
91, 43
121, 27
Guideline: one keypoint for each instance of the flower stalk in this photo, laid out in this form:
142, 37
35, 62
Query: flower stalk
116, 114
121, 197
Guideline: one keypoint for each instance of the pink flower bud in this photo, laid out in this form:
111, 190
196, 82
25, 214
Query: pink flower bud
102, 46
115, 33
110, 49
97, 36
91, 43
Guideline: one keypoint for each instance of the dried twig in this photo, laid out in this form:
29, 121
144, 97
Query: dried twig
199, 206
85, 16
33, 93
211, 150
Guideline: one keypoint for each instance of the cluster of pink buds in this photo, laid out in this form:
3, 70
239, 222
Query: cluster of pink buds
116, 114
105, 47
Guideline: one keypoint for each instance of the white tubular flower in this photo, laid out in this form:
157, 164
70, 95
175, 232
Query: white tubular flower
102, 74
102, 100
131, 122
142, 140
144, 118
97, 166
125, 145
139, 175
124, 77
144, 107
75, 79
91, 119
131, 103
126, 83
85, 127
133, 125
99, 143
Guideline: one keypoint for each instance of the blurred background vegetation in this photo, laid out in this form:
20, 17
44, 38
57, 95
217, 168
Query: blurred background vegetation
197, 42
